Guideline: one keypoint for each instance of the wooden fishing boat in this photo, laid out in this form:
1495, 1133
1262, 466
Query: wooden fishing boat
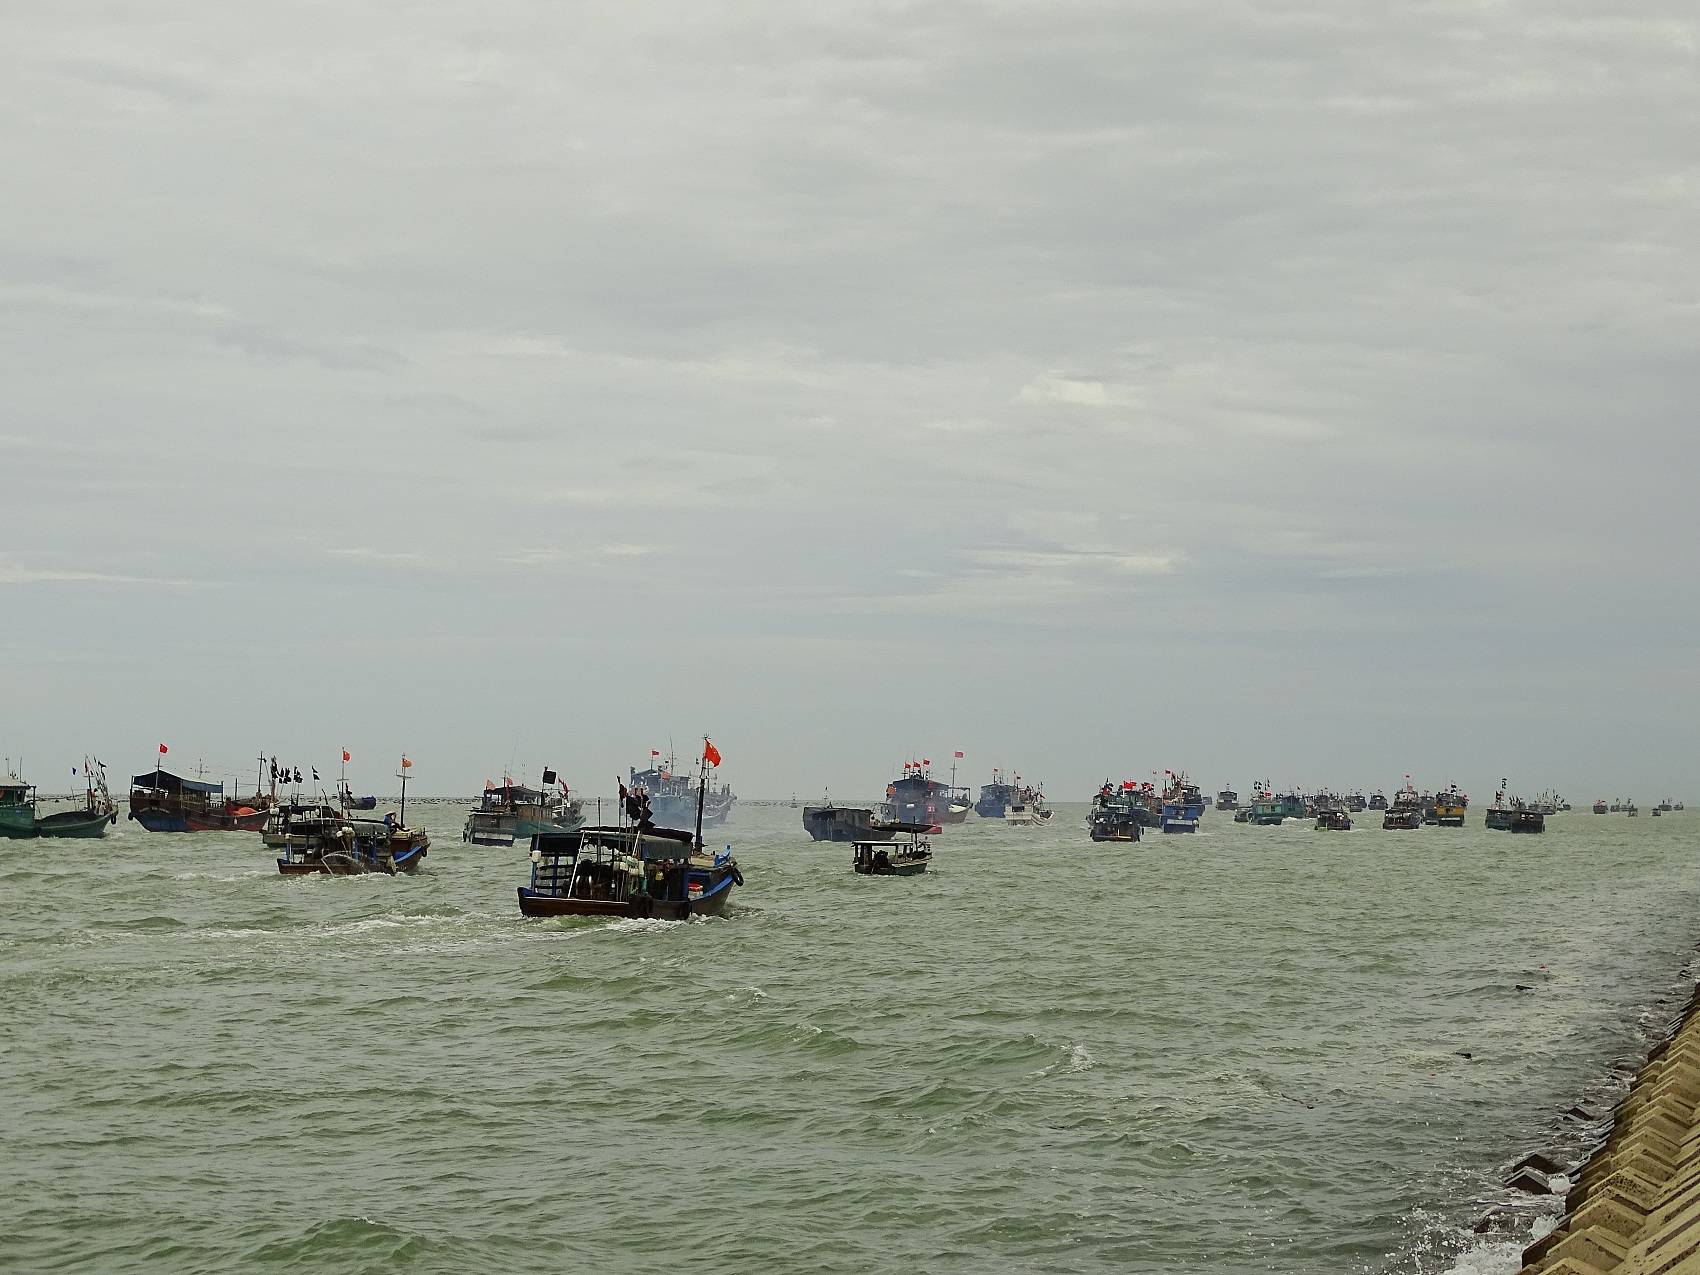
511, 812
163, 802
634, 870
319, 839
1333, 820
829, 822
1528, 821
20, 816
17, 808
1116, 813
1406, 812
1448, 808
908, 859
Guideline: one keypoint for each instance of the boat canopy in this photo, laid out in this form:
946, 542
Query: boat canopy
165, 781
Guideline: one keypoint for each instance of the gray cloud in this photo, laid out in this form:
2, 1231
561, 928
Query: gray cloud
745, 367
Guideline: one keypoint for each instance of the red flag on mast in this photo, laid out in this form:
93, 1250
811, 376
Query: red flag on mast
710, 753
163, 750
345, 755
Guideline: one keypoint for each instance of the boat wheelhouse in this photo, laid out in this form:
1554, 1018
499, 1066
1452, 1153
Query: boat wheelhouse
1378, 800
904, 859
1026, 807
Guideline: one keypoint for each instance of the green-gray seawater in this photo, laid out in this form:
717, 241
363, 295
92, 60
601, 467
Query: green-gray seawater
1239, 1051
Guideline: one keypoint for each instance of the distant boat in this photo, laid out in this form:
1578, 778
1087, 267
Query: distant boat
1333, 820
1227, 799
163, 802
1406, 811
905, 859
994, 797
510, 812
1026, 807
1377, 801
1449, 807
1600, 806
319, 839
1183, 804
829, 822
20, 816
1356, 803
1115, 814
917, 797
673, 796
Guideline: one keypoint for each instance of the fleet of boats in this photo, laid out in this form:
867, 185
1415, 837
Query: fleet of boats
652, 862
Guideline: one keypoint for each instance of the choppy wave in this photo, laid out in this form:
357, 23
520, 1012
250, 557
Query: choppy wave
1287, 1052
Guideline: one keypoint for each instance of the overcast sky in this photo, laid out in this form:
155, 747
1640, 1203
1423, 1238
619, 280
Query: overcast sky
1291, 390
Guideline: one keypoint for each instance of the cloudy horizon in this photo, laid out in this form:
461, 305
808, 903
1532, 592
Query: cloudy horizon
1265, 391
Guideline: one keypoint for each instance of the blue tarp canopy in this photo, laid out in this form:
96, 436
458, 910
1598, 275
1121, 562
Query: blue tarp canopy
165, 781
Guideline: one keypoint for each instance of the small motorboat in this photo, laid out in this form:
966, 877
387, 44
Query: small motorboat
904, 859
1333, 821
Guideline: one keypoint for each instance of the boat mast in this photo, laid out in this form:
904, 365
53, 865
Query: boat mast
702, 787
403, 777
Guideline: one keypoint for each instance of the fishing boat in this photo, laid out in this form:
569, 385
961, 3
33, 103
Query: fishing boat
1631, 809
1333, 820
163, 802
17, 808
673, 797
324, 841
635, 869
1266, 808
1377, 800
907, 859
829, 822
1405, 812
91, 818
1662, 806
1115, 813
1356, 803
1448, 807
1227, 799
1242, 815
1600, 806
1183, 804
319, 839
1027, 807
917, 797
994, 797
510, 812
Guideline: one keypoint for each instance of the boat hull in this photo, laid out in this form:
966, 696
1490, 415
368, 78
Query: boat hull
711, 902
75, 823
897, 868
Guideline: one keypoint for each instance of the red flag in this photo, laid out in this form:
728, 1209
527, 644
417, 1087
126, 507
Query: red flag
710, 753
655, 752
163, 750
345, 755
959, 755
405, 764
926, 761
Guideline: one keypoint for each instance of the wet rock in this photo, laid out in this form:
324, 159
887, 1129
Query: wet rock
1529, 1180
1496, 1221
1539, 1163
1580, 1113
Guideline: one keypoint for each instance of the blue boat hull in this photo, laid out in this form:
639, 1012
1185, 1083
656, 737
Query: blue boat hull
160, 820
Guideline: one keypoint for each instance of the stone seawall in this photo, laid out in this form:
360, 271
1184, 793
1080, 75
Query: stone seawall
1634, 1208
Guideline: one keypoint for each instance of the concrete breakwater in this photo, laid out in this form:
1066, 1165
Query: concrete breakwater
1634, 1206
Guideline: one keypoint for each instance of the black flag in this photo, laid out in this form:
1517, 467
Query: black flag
315, 774
548, 777
298, 774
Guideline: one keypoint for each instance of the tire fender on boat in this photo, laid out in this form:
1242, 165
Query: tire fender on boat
737, 877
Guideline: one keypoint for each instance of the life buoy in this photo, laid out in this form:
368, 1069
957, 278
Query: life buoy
737, 877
